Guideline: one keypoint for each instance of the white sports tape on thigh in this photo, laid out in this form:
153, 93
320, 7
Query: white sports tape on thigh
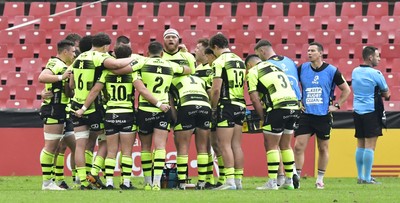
69, 133
51, 136
82, 134
271, 133
286, 131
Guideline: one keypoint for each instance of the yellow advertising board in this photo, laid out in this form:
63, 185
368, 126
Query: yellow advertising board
342, 148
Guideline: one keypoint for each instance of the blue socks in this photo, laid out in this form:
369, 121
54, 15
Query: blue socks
368, 161
359, 162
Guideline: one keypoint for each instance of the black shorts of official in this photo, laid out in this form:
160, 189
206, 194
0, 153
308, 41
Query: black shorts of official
119, 122
53, 114
367, 125
147, 121
229, 115
313, 124
94, 120
278, 120
193, 116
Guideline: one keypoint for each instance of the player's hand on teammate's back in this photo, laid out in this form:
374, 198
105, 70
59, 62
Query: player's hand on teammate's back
164, 107
67, 74
79, 113
46, 94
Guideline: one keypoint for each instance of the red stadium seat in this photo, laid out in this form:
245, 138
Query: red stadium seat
190, 37
259, 25
245, 37
310, 24
394, 66
14, 78
195, 10
364, 24
35, 37
58, 35
168, 9
101, 23
206, 23
288, 50
210, 33
396, 10
39, 9
338, 51
117, 9
7, 65
378, 37
298, 38
338, 23
19, 20
347, 65
232, 23
141, 37
298, 10
325, 10
180, 22
394, 94
12, 9
31, 65
3, 22
37, 104
246, 10
125, 23
357, 51
90, 10
390, 24
220, 10
3, 51
17, 104
285, 24
22, 51
25, 92
390, 51
114, 34
143, 9
4, 96
324, 36
351, 10
275, 37
351, 37
239, 49
378, 9
392, 79
272, 10
153, 25
50, 23
76, 24
64, 9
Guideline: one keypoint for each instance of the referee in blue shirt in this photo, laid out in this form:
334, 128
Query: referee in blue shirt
369, 86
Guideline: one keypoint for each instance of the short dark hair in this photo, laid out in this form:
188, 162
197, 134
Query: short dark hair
208, 50
219, 40
262, 43
64, 44
155, 48
203, 41
122, 51
249, 57
320, 47
100, 39
368, 51
122, 40
85, 44
73, 37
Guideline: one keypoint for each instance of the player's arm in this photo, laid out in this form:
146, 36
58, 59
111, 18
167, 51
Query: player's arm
255, 99
174, 113
94, 92
215, 92
47, 76
144, 92
67, 88
112, 63
339, 80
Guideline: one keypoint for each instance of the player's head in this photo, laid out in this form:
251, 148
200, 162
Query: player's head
155, 49
210, 55
251, 60
371, 56
75, 38
101, 41
123, 40
171, 40
201, 45
66, 51
217, 42
85, 44
263, 49
122, 51
315, 51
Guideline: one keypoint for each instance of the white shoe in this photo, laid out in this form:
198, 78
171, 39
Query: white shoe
238, 183
320, 185
281, 180
51, 186
226, 187
288, 185
270, 185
